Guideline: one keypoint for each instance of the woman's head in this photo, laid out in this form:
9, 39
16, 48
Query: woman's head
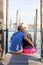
25, 28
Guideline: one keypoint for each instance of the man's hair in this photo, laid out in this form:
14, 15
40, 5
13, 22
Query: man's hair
19, 28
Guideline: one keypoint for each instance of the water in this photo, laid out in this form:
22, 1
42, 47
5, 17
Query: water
31, 31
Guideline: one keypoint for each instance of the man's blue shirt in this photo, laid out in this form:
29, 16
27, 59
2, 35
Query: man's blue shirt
16, 41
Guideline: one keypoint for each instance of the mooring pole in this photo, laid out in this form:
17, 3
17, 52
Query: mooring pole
34, 32
35, 28
1, 28
19, 21
7, 1
16, 19
41, 13
10, 23
1, 40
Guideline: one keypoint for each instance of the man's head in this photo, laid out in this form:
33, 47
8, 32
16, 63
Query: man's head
20, 28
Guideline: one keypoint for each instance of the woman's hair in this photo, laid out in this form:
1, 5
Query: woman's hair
29, 36
25, 28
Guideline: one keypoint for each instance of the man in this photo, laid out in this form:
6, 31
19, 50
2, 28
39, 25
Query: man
16, 40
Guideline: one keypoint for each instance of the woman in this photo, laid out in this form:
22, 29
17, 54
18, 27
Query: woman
27, 48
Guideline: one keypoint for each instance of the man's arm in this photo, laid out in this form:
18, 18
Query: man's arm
28, 40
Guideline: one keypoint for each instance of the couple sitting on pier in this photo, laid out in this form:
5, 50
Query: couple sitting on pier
21, 41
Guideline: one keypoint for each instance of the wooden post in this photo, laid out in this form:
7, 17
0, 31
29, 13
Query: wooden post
10, 23
1, 28
17, 19
7, 25
0, 39
41, 12
35, 24
34, 32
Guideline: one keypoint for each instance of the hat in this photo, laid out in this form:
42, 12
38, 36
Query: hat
25, 25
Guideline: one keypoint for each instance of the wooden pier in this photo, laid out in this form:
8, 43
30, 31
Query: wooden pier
21, 59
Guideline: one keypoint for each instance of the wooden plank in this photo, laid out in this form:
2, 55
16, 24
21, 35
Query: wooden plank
21, 59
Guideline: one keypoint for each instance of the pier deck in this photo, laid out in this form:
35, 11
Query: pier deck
21, 59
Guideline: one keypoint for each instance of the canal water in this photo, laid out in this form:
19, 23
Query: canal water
31, 31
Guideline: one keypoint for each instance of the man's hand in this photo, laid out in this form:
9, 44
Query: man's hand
29, 41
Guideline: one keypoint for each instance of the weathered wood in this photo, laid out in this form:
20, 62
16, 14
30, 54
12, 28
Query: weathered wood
7, 2
1, 41
1, 28
10, 23
17, 19
1, 9
41, 12
35, 28
22, 59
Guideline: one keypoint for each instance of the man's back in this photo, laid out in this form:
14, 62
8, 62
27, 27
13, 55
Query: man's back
16, 41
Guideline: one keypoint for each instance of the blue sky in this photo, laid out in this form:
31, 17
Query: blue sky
26, 10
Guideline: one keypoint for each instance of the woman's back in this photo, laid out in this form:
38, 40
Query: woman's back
28, 48
25, 43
